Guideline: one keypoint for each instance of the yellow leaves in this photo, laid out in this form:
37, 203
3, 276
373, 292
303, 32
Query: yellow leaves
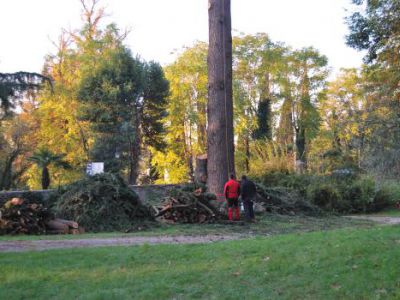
174, 169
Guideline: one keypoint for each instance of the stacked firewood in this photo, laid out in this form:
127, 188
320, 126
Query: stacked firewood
20, 216
182, 206
24, 216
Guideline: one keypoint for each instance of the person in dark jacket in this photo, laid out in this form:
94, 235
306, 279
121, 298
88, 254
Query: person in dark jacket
248, 192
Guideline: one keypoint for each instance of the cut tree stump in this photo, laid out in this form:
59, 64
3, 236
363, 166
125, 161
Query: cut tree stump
200, 173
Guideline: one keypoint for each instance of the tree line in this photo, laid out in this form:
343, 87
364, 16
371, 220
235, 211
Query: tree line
149, 123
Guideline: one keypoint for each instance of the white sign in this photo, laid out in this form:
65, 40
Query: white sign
94, 168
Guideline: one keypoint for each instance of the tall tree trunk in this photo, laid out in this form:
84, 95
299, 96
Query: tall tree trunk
247, 159
285, 136
228, 86
45, 178
301, 141
6, 176
201, 127
135, 151
190, 154
301, 145
220, 126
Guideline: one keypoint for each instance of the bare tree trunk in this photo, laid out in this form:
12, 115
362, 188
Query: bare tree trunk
228, 86
135, 151
219, 130
247, 145
190, 155
301, 145
201, 127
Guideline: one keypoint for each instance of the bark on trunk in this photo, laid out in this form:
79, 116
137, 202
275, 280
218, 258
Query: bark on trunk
286, 136
201, 128
301, 145
228, 85
201, 168
7, 174
135, 151
247, 160
45, 178
219, 109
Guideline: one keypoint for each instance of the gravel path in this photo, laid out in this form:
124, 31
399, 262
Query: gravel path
40, 245
381, 220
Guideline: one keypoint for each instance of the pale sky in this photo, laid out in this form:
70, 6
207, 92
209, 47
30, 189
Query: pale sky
158, 27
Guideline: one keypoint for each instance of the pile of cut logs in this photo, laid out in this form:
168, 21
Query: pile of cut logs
187, 207
21, 216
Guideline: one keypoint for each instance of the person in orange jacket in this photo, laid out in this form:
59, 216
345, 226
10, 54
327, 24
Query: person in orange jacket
231, 193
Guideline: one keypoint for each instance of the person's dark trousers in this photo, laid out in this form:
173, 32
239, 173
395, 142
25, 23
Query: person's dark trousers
248, 209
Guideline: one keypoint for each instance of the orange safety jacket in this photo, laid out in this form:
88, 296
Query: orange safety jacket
232, 189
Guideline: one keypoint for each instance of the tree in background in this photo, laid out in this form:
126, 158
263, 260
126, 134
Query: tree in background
307, 78
13, 86
152, 111
256, 63
344, 114
43, 158
123, 100
185, 121
17, 91
59, 128
69, 119
111, 96
375, 28
16, 143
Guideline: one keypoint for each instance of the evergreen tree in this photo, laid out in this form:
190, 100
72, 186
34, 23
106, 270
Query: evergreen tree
155, 95
153, 110
264, 120
111, 96
13, 85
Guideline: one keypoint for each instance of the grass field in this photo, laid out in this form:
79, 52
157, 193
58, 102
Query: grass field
388, 213
268, 224
339, 264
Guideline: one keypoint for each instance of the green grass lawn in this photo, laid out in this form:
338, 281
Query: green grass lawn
268, 224
339, 264
393, 212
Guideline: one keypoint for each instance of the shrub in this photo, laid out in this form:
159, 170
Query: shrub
298, 182
382, 200
392, 188
359, 194
326, 196
344, 191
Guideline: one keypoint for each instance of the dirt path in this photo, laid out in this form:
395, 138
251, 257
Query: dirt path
380, 220
40, 245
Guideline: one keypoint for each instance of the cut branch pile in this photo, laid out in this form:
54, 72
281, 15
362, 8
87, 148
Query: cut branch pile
284, 201
102, 203
182, 206
23, 216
